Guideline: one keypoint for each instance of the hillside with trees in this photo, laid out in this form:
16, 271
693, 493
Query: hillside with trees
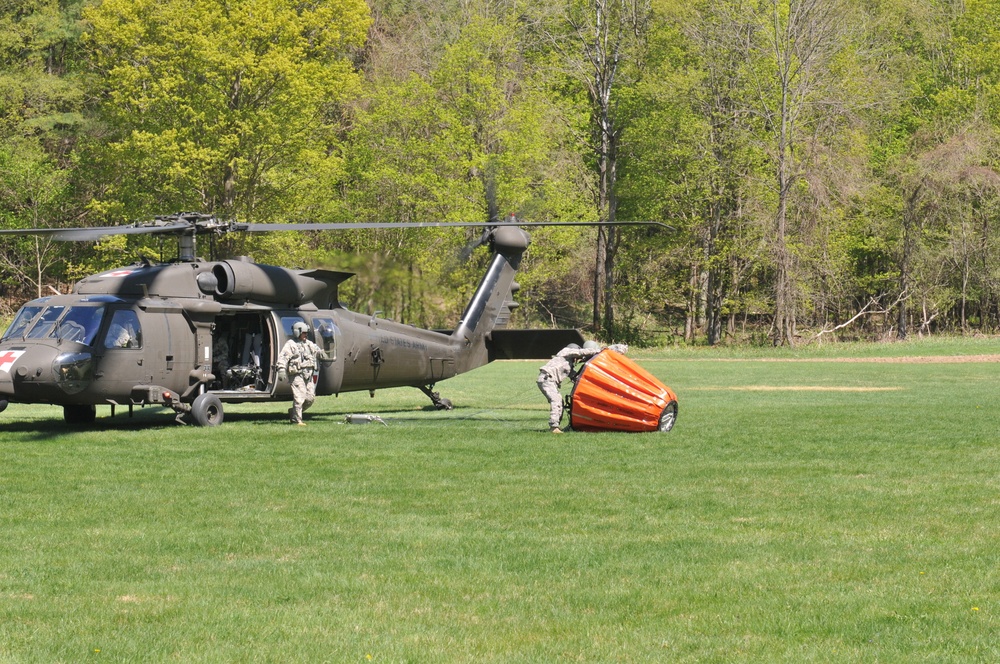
829, 167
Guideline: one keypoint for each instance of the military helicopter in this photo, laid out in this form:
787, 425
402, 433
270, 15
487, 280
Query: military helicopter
193, 334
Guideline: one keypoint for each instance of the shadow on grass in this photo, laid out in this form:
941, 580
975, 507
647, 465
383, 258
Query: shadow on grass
164, 418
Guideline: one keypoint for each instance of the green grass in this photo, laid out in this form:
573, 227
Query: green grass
855, 521
915, 346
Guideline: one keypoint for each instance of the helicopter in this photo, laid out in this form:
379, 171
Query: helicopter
192, 335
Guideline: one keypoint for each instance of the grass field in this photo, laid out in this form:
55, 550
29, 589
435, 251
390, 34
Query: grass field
809, 510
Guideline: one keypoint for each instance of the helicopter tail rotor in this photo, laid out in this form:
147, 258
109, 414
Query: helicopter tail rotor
470, 247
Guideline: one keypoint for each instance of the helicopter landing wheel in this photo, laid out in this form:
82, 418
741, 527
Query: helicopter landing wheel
207, 410
439, 403
79, 414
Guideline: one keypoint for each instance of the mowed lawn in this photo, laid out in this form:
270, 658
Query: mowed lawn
807, 509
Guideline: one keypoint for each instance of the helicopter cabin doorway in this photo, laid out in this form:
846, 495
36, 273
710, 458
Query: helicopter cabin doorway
242, 353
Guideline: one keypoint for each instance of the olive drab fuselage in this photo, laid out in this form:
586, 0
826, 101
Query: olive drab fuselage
165, 334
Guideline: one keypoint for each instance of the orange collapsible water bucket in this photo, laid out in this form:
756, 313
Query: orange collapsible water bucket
613, 393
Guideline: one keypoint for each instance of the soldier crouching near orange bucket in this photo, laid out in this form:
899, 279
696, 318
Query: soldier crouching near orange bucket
560, 367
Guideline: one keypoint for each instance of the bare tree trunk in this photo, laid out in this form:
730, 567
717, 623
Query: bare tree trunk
714, 279
906, 256
784, 304
599, 261
691, 319
803, 37
38, 269
610, 33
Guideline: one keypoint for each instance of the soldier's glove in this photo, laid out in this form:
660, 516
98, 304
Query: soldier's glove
619, 348
282, 375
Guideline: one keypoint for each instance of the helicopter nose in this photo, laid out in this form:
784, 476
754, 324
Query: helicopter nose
8, 367
73, 371
37, 374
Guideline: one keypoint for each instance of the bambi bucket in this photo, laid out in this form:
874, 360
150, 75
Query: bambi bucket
613, 393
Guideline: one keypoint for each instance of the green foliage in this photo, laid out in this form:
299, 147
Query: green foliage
220, 108
41, 118
475, 140
864, 176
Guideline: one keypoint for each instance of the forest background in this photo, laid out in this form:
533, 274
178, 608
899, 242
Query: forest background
829, 167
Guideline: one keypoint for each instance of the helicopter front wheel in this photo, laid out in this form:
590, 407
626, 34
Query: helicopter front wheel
207, 410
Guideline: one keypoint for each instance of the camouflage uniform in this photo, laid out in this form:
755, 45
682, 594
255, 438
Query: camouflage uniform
556, 370
298, 358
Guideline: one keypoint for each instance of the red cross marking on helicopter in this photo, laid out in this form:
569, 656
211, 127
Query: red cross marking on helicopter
7, 359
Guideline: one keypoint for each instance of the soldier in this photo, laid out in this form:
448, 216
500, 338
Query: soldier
551, 376
220, 359
119, 336
298, 363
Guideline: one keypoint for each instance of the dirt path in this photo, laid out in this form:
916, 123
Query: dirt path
912, 359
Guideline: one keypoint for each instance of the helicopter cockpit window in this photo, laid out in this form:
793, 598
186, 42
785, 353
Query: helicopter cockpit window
326, 336
124, 331
45, 323
23, 320
80, 324
287, 322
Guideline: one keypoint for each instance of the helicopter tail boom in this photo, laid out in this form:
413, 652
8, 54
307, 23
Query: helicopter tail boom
490, 303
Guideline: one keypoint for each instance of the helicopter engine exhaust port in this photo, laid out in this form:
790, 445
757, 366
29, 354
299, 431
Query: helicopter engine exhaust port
236, 280
240, 279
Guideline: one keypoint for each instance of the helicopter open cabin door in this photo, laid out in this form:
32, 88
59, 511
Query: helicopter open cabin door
242, 354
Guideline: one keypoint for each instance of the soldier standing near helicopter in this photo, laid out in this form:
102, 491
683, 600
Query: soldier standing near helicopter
298, 363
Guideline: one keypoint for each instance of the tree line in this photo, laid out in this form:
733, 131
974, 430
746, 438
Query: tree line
829, 167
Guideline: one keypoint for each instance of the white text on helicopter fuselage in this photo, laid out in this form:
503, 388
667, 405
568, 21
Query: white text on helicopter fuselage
402, 343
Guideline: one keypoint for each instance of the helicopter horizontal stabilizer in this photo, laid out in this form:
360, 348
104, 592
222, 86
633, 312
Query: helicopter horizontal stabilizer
530, 344
333, 277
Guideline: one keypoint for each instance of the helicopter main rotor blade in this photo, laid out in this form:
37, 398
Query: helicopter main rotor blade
192, 225
97, 232
309, 226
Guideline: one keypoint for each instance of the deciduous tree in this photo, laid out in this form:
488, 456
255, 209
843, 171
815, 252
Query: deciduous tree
605, 52
231, 108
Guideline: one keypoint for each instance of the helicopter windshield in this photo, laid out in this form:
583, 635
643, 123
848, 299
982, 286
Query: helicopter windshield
45, 323
23, 320
80, 324
77, 323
